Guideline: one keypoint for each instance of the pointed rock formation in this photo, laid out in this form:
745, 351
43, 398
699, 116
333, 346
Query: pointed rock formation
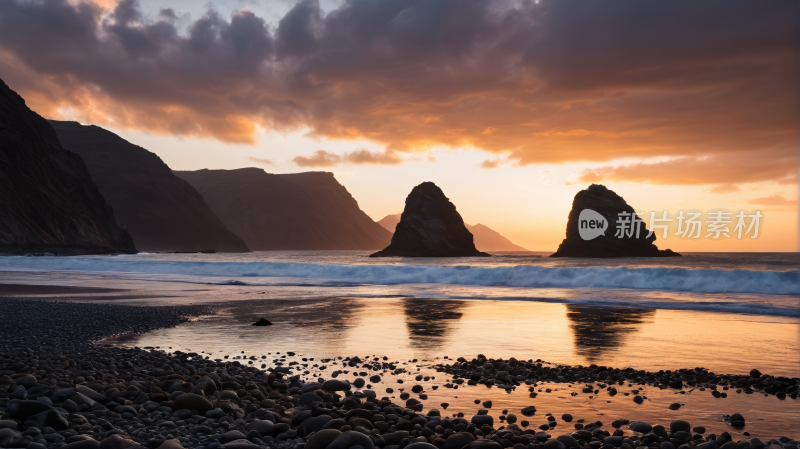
160, 210
486, 238
302, 211
48, 202
596, 209
430, 226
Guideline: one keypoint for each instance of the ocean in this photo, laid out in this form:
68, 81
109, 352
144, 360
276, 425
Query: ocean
726, 312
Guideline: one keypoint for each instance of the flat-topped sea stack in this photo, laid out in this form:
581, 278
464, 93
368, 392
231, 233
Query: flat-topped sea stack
592, 229
430, 226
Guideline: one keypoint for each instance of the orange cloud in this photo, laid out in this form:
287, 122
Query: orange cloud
322, 158
259, 160
490, 163
726, 170
724, 188
773, 200
415, 76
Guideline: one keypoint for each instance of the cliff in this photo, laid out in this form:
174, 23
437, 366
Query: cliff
303, 211
48, 202
160, 210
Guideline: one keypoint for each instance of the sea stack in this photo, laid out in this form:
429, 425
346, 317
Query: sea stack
430, 226
597, 209
48, 201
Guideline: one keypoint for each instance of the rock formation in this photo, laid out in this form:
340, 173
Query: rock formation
430, 226
48, 202
486, 238
160, 210
599, 239
303, 211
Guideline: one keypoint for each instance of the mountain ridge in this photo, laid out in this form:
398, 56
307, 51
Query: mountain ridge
297, 211
161, 211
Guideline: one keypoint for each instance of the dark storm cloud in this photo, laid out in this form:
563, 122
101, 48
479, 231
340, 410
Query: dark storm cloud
540, 82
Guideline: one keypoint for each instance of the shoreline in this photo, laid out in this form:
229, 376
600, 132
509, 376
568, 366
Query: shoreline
73, 391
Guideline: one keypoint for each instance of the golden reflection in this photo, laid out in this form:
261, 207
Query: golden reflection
598, 330
429, 321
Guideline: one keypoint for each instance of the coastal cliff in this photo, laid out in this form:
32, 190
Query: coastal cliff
48, 201
160, 210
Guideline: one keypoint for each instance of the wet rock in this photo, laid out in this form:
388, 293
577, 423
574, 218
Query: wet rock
262, 322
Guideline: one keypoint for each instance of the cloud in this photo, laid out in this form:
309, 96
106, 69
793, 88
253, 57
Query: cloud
490, 163
320, 158
362, 156
323, 158
259, 160
773, 200
724, 188
728, 169
567, 80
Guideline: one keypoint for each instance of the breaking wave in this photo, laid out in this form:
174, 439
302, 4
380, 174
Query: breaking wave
651, 278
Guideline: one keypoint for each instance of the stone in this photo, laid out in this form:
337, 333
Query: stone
641, 427
232, 435
566, 417
484, 444
430, 226
737, 420
680, 425
322, 439
171, 444
83, 444
604, 206
554, 444
351, 438
261, 426
569, 442
336, 385
482, 420
529, 411
191, 401
458, 440
115, 442
262, 322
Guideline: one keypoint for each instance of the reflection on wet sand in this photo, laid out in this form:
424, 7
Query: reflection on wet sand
598, 330
430, 320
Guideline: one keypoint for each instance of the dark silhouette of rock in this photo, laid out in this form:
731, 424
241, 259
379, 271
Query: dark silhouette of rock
430, 226
262, 322
160, 210
486, 238
607, 204
48, 202
302, 211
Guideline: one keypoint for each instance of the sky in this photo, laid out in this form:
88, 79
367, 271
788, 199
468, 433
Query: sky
511, 107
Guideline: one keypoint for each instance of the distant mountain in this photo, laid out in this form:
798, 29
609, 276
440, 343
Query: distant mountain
161, 211
301, 211
486, 239
430, 226
48, 202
